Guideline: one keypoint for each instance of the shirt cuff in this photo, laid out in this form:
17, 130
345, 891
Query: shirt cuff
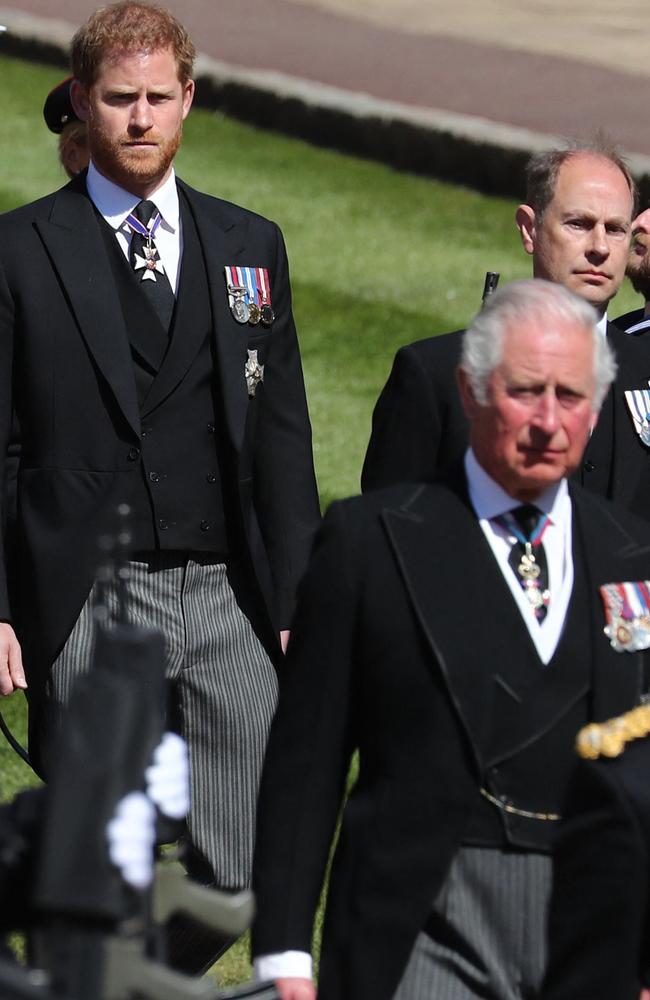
283, 965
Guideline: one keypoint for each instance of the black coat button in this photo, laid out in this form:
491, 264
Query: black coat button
589, 466
205, 525
211, 478
163, 524
154, 477
210, 428
134, 454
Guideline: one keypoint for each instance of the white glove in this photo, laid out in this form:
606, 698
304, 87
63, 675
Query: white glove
131, 835
168, 777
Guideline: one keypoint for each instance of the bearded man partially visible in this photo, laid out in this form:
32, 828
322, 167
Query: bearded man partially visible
164, 373
637, 322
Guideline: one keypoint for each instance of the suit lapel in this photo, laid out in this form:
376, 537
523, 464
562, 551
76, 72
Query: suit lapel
473, 627
597, 467
223, 242
75, 246
457, 605
611, 555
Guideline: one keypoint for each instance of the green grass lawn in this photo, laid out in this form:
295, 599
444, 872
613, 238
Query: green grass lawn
378, 259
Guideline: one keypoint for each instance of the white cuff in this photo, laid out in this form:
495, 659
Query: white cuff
283, 965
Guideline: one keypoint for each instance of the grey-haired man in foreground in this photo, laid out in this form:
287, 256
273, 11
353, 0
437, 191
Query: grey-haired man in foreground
453, 635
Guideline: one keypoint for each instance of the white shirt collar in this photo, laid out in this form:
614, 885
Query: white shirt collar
489, 499
114, 203
601, 325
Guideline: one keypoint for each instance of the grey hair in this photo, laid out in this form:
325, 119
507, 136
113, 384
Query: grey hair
514, 306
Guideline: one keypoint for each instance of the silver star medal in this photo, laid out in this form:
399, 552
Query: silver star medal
253, 372
638, 403
149, 262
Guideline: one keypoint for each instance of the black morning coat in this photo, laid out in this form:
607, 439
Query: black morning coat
403, 628
599, 923
419, 428
66, 367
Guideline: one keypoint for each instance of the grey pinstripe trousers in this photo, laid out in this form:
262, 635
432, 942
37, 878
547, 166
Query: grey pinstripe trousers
486, 937
226, 688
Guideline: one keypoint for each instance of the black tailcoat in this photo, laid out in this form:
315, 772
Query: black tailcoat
403, 628
66, 368
627, 320
419, 428
599, 926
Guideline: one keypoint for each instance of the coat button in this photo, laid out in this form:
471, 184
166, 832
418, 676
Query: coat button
589, 466
154, 477
163, 524
211, 478
134, 454
205, 525
210, 428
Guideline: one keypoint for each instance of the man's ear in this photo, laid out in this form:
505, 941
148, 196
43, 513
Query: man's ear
188, 97
467, 397
79, 100
525, 219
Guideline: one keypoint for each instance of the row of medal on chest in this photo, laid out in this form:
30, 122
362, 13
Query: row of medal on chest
249, 312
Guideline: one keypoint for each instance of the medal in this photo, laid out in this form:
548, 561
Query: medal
644, 433
249, 295
536, 598
150, 262
240, 310
267, 314
528, 568
237, 302
623, 634
638, 404
627, 611
253, 372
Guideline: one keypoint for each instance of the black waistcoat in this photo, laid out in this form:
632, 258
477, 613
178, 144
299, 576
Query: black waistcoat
178, 502
527, 762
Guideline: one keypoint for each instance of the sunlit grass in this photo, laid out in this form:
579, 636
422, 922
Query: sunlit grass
378, 259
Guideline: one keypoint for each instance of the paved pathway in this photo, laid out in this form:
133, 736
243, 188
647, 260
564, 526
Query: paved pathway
528, 63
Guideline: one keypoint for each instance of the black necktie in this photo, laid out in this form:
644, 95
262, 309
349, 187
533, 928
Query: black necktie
145, 260
528, 558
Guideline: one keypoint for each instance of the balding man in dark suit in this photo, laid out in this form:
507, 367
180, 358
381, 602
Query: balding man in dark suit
576, 225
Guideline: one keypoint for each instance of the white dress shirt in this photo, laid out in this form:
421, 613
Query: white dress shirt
489, 500
114, 204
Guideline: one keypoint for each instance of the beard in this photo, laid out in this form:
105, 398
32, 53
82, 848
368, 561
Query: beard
638, 271
131, 166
